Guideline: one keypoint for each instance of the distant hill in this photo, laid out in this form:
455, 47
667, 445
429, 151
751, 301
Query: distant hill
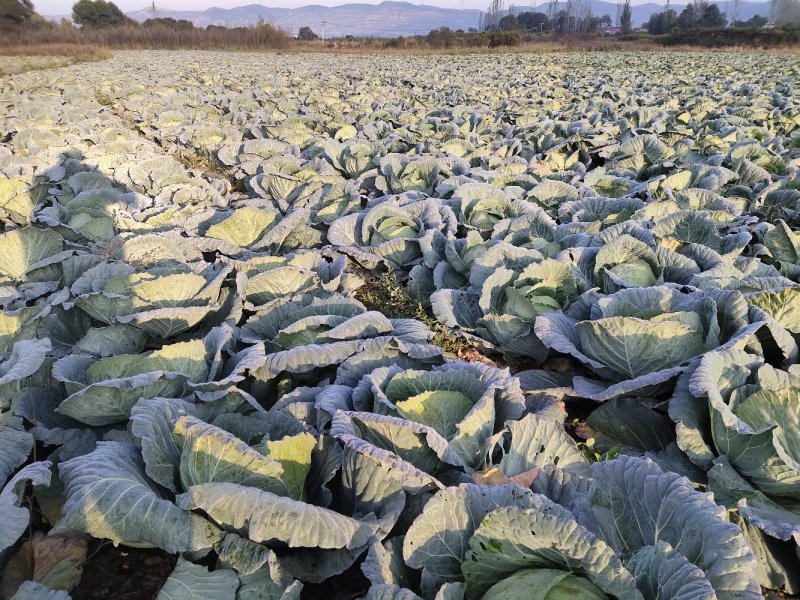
390, 19
387, 19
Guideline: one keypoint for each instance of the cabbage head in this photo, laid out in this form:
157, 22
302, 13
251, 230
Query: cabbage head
638, 338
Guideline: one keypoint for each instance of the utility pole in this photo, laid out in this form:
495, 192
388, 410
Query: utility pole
153, 11
323, 31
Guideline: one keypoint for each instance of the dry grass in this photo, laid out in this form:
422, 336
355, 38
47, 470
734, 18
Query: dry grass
81, 52
362, 47
412, 47
34, 57
72, 45
136, 37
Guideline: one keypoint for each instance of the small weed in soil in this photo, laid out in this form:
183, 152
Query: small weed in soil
383, 293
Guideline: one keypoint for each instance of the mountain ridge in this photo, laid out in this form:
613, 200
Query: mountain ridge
392, 18
387, 19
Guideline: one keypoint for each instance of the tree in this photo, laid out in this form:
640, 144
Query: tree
492, 19
662, 22
712, 17
533, 21
568, 25
595, 23
169, 23
700, 14
754, 22
98, 13
509, 23
688, 18
14, 13
443, 37
786, 12
559, 22
626, 18
504, 38
306, 33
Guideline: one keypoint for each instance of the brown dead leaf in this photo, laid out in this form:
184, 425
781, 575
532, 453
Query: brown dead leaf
583, 431
494, 476
472, 355
58, 560
526, 479
491, 476
18, 570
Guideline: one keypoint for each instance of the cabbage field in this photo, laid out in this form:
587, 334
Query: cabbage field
589, 387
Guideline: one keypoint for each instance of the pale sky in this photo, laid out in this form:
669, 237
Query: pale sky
64, 7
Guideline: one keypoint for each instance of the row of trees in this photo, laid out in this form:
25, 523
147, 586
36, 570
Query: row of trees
101, 24
539, 21
169, 23
575, 17
526, 21
702, 15
698, 15
86, 13
444, 37
563, 21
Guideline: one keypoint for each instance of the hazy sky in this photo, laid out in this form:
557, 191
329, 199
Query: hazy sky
64, 7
